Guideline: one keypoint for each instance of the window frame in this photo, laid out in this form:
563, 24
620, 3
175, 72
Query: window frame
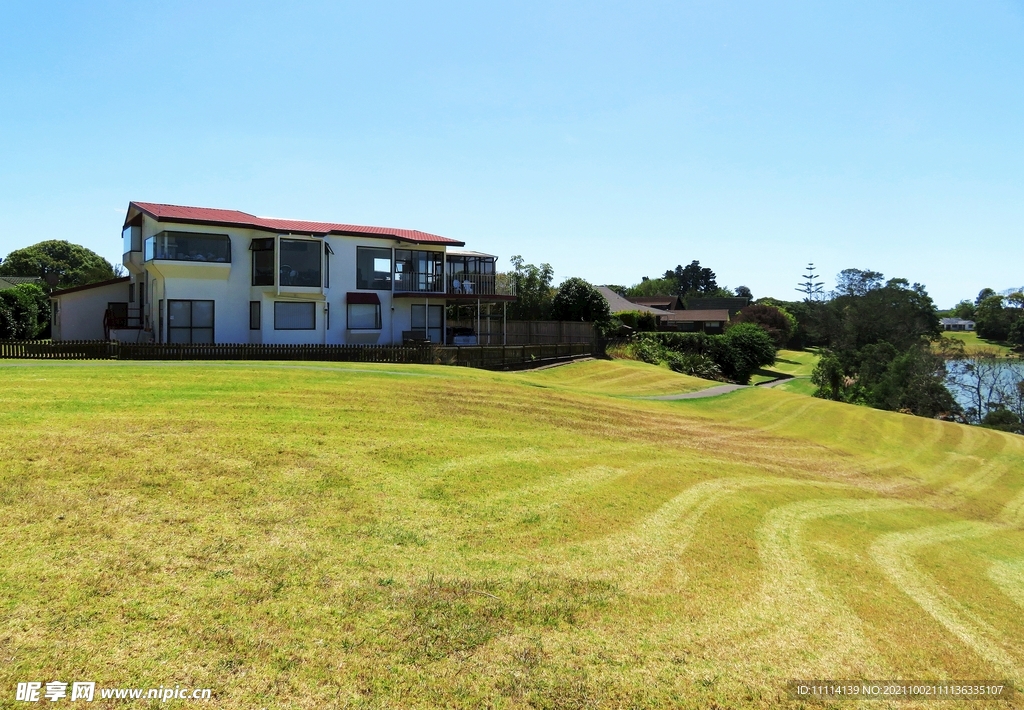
311, 304
190, 327
373, 281
258, 246
320, 263
255, 315
378, 320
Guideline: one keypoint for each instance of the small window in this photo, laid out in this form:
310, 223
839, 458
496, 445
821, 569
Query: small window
373, 268
254, 315
292, 315
262, 262
131, 293
364, 316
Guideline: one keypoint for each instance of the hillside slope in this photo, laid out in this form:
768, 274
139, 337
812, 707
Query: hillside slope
411, 536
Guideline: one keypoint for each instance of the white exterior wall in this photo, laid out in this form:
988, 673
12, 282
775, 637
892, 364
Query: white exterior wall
80, 314
230, 288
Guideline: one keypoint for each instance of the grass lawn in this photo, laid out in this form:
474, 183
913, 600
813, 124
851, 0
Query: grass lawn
973, 343
796, 363
386, 536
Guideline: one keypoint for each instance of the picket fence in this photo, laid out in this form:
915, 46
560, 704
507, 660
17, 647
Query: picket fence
480, 356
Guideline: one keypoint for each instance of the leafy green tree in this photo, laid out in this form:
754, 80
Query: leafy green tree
578, 300
829, 377
73, 265
965, 310
776, 322
750, 349
24, 312
744, 292
913, 382
982, 295
652, 287
992, 320
533, 290
1002, 419
692, 279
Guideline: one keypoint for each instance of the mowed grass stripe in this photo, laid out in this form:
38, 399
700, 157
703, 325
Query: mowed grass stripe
300, 537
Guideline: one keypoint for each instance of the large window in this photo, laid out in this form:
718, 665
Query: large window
189, 246
301, 262
373, 268
262, 262
428, 320
294, 315
190, 321
419, 270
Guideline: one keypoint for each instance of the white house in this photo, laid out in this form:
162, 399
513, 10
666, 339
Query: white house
201, 275
957, 324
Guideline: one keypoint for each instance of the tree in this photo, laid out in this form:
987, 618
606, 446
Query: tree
776, 322
744, 292
811, 287
855, 282
982, 295
964, 310
992, 320
692, 279
72, 264
577, 300
24, 312
749, 348
532, 288
652, 287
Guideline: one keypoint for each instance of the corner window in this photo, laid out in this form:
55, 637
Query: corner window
301, 262
292, 315
262, 262
254, 315
189, 321
373, 268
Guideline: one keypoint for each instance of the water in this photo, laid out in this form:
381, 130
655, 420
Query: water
998, 378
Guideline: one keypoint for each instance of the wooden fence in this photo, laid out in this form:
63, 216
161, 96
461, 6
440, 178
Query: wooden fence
482, 356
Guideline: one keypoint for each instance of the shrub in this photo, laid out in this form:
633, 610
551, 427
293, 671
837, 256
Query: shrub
694, 365
24, 313
639, 321
737, 354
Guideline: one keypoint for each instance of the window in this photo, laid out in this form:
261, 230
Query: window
132, 238
292, 315
189, 321
419, 270
254, 315
300, 262
131, 293
373, 268
117, 314
262, 261
189, 246
428, 320
327, 265
363, 311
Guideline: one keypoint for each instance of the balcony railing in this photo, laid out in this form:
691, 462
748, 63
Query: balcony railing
185, 246
480, 284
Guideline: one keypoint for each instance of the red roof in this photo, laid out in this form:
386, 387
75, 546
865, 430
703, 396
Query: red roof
234, 218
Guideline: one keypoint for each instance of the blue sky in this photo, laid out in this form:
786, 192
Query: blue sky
612, 140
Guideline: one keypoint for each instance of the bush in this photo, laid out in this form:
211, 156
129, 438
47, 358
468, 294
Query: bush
694, 365
737, 354
23, 313
779, 324
639, 321
647, 350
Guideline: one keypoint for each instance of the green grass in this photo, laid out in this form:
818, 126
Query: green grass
972, 343
414, 536
795, 363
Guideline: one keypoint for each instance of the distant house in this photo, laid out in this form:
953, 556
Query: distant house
665, 303
7, 282
707, 320
734, 304
617, 304
957, 324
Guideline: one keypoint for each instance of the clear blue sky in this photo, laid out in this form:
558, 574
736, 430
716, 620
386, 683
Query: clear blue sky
613, 140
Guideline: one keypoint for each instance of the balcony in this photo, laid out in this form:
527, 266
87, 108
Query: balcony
463, 284
188, 246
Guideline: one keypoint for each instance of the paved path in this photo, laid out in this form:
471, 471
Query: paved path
712, 392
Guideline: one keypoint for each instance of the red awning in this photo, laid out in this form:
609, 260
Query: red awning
356, 297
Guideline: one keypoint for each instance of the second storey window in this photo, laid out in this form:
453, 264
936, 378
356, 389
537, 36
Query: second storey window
419, 270
373, 268
262, 262
301, 263
189, 246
